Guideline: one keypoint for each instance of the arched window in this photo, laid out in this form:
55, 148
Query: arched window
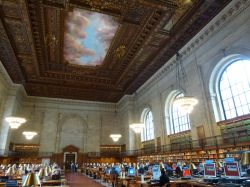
148, 131
176, 120
234, 89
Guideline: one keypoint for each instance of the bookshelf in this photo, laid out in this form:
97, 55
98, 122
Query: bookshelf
193, 156
112, 148
236, 129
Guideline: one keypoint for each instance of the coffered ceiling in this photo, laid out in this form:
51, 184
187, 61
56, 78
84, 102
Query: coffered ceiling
96, 50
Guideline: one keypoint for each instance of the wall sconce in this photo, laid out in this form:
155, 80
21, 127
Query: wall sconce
137, 127
29, 134
115, 137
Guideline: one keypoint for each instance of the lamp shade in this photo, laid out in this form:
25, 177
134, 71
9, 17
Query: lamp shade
48, 169
218, 164
10, 171
192, 166
42, 172
31, 180
15, 122
115, 137
245, 159
137, 127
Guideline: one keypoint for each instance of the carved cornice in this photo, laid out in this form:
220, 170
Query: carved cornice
33, 37
232, 10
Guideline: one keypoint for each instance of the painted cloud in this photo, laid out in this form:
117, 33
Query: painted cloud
87, 37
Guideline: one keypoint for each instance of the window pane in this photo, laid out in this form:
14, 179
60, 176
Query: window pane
235, 89
180, 120
148, 130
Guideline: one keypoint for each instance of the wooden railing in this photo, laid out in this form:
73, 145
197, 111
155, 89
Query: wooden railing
232, 140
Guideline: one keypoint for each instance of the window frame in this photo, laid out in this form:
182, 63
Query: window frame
148, 130
169, 118
221, 100
215, 74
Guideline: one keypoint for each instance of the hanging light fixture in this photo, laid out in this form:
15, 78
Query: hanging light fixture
185, 103
15, 122
137, 127
29, 134
115, 137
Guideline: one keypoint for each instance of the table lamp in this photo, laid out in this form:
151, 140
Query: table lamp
245, 160
218, 164
192, 166
31, 180
48, 170
43, 173
21, 170
193, 169
10, 171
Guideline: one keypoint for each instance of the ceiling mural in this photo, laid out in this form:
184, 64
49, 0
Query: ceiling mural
87, 37
97, 50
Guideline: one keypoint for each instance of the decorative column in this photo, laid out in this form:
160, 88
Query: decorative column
9, 110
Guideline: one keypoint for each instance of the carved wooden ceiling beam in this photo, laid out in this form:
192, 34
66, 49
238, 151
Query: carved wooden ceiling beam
184, 30
150, 32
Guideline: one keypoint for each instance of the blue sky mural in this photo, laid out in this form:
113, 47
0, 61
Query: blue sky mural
87, 37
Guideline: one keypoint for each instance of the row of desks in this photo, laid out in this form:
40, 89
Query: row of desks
61, 182
173, 183
135, 181
190, 183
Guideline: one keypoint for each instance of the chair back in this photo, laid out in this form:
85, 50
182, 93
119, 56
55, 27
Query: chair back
11, 183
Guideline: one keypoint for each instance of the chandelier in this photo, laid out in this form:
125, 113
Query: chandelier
115, 137
137, 127
185, 103
29, 134
15, 122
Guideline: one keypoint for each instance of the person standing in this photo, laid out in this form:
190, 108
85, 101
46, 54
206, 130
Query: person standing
72, 166
76, 167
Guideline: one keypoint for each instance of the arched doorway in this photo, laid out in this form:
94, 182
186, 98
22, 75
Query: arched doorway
70, 154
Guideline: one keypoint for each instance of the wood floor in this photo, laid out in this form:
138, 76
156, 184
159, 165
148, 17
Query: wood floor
79, 180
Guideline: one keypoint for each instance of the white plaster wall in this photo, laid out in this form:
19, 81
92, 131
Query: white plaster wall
57, 120
59, 127
72, 131
229, 31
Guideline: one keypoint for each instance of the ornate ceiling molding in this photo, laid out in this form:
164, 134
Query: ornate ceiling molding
214, 26
149, 33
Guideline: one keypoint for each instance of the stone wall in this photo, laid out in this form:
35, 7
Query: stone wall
225, 36
87, 125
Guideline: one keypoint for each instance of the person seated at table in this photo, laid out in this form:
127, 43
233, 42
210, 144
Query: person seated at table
141, 169
107, 170
178, 171
164, 179
219, 171
146, 167
248, 172
169, 170
56, 173
126, 166
115, 171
